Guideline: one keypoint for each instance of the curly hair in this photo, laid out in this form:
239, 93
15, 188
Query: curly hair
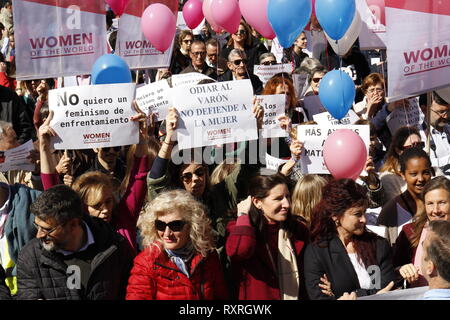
192, 211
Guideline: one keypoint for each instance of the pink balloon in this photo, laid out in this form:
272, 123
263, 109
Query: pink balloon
193, 13
255, 13
118, 6
345, 154
227, 14
159, 24
207, 12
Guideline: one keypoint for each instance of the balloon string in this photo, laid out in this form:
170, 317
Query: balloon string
340, 73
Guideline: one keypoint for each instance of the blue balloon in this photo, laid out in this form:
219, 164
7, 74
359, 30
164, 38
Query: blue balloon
337, 93
335, 16
110, 68
288, 18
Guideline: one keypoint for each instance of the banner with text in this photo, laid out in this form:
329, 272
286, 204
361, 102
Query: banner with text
17, 158
55, 38
325, 118
94, 116
155, 98
418, 46
406, 114
132, 45
313, 138
373, 30
274, 106
266, 72
214, 114
188, 79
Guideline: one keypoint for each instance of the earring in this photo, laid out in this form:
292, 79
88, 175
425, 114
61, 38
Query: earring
337, 223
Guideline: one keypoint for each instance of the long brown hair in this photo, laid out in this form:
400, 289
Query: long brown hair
277, 80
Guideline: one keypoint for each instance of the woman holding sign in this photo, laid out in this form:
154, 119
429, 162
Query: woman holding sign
265, 243
95, 188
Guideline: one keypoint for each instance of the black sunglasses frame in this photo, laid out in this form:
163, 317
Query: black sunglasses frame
175, 225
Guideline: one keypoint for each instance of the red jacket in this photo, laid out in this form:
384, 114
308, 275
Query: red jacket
155, 277
404, 252
250, 262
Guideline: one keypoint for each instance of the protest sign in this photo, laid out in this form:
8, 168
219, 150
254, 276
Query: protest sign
93, 116
273, 163
274, 106
325, 118
417, 46
277, 50
65, 38
188, 79
404, 294
300, 82
155, 98
181, 24
215, 113
313, 138
132, 45
373, 30
266, 72
407, 114
16, 158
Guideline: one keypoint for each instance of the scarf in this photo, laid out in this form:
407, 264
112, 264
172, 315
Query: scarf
181, 256
288, 277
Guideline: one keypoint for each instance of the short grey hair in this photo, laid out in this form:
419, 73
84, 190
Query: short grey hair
267, 55
236, 52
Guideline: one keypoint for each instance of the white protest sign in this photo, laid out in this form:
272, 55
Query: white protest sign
373, 30
274, 106
65, 38
274, 163
300, 82
313, 138
215, 113
155, 97
418, 40
266, 72
93, 116
132, 45
181, 24
406, 114
16, 158
326, 118
187, 79
277, 50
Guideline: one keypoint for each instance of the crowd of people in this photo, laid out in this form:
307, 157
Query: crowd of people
130, 222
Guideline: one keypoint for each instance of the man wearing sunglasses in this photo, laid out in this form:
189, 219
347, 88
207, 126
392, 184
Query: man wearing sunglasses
237, 65
74, 256
440, 132
198, 60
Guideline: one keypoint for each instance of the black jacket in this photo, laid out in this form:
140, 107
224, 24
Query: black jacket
207, 71
256, 83
42, 274
253, 53
13, 110
334, 261
4, 290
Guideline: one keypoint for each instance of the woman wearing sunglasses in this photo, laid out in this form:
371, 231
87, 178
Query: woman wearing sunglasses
391, 179
314, 79
243, 40
179, 261
96, 188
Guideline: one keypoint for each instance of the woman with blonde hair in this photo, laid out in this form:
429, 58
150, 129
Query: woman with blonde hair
307, 193
179, 260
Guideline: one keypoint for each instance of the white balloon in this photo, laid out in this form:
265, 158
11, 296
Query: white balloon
444, 94
346, 42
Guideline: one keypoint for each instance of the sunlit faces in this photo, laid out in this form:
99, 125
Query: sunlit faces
439, 115
198, 54
376, 93
301, 42
241, 34
315, 81
238, 65
186, 42
275, 206
102, 204
353, 221
417, 174
193, 178
437, 204
53, 236
212, 52
171, 239
284, 89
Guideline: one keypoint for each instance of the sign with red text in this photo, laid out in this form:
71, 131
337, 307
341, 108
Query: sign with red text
418, 46
132, 45
94, 116
373, 30
215, 113
55, 38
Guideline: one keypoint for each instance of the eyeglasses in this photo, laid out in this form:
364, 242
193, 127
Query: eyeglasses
187, 177
240, 32
175, 226
108, 149
200, 53
377, 90
269, 63
46, 231
239, 61
316, 80
188, 41
420, 145
441, 113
